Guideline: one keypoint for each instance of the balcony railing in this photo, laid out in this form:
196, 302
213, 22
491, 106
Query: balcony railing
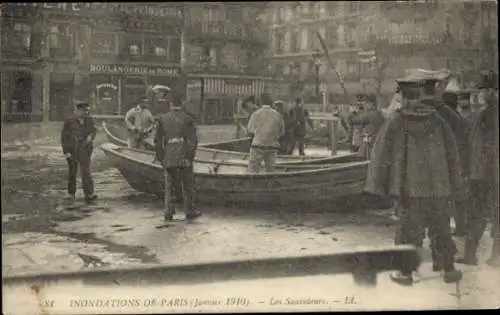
413, 39
226, 30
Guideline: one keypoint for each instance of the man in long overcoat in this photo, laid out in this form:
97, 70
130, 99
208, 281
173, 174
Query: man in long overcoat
415, 160
448, 110
369, 121
484, 182
175, 144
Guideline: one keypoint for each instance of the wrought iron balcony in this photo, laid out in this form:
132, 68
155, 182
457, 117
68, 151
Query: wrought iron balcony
225, 31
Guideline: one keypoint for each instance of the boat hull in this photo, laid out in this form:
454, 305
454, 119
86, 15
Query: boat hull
233, 186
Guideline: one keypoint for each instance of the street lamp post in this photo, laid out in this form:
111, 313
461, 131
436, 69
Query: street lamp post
317, 66
205, 66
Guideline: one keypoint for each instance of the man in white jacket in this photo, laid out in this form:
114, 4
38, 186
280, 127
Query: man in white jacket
266, 125
140, 123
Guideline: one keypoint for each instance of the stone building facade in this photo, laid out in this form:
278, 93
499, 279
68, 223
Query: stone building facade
422, 34
112, 54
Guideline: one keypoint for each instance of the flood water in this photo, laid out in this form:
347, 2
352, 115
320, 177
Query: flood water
43, 231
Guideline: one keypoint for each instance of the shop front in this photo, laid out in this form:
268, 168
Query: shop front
214, 100
117, 88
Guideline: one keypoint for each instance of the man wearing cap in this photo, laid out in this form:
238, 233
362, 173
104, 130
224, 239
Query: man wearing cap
175, 145
140, 122
285, 140
266, 125
415, 160
77, 136
369, 122
300, 116
483, 175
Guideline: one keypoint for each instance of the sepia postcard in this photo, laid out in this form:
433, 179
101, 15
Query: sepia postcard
267, 156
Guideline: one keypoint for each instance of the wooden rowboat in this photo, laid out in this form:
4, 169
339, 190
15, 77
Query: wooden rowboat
236, 150
228, 183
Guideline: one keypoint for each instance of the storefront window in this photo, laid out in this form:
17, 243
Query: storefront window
132, 90
106, 94
61, 96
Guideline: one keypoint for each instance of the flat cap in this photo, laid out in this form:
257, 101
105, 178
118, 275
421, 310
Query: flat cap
82, 105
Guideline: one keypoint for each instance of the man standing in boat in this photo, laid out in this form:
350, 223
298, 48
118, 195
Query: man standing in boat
175, 145
285, 140
76, 138
300, 116
140, 123
266, 126
415, 159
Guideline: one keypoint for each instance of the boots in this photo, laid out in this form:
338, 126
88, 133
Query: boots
469, 258
494, 260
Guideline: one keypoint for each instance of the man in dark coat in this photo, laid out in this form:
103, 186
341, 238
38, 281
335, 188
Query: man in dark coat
415, 160
175, 143
300, 117
369, 121
484, 182
285, 140
448, 110
77, 136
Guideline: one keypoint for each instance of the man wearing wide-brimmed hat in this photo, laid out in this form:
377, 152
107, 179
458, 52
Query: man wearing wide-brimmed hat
140, 123
415, 160
77, 136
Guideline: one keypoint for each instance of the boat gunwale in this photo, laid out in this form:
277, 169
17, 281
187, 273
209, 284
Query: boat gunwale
351, 165
286, 159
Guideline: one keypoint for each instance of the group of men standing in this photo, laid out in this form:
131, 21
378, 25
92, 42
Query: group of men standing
437, 164
275, 129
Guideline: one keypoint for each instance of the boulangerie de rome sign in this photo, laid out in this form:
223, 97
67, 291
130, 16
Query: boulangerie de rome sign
138, 70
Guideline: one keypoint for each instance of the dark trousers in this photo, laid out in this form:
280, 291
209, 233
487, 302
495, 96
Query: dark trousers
483, 206
459, 215
81, 159
299, 141
175, 178
432, 215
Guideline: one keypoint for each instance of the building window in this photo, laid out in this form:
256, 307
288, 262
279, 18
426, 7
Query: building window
60, 40
317, 9
353, 6
331, 7
352, 68
19, 37
281, 15
349, 36
174, 50
295, 41
104, 43
280, 42
157, 47
331, 37
311, 39
213, 13
132, 44
19, 92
